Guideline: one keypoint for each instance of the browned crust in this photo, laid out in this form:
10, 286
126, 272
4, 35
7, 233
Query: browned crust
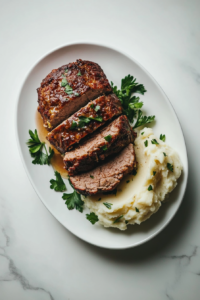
63, 137
106, 177
52, 97
96, 148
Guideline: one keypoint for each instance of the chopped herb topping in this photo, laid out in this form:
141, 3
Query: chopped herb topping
66, 70
82, 121
128, 181
154, 142
142, 133
154, 173
108, 205
98, 119
92, 105
126, 221
104, 148
91, 176
150, 188
136, 209
118, 219
73, 125
97, 108
164, 154
76, 94
108, 138
35, 148
170, 167
57, 185
92, 217
64, 82
79, 73
146, 143
162, 137
134, 172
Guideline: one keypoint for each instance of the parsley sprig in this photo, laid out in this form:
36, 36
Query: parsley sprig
35, 149
73, 200
131, 104
92, 217
57, 185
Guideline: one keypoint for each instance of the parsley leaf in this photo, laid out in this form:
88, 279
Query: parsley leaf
73, 200
108, 205
170, 167
134, 172
92, 105
154, 142
86, 120
118, 219
76, 94
142, 133
162, 137
35, 149
92, 217
98, 119
97, 108
57, 185
79, 73
154, 173
64, 82
164, 154
108, 138
136, 209
126, 221
150, 188
104, 148
142, 120
127, 181
91, 176
68, 89
146, 143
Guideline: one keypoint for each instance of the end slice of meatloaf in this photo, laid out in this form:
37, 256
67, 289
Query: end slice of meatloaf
108, 140
68, 88
84, 122
106, 177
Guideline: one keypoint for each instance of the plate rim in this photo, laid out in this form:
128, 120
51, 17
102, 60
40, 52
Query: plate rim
106, 45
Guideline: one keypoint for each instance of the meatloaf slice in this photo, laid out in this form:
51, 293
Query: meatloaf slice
106, 177
84, 122
68, 88
109, 140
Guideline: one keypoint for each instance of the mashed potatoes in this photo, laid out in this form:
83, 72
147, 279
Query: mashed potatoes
140, 196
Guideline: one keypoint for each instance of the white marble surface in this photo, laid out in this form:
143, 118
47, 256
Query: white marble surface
39, 259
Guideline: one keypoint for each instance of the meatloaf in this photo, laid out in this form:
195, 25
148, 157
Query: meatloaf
108, 140
84, 122
68, 88
107, 176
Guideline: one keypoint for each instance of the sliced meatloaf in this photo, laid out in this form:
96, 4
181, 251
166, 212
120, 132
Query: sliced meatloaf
106, 177
108, 140
84, 122
68, 88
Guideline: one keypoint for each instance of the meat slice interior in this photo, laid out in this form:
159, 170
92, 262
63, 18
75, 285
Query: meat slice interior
108, 140
68, 88
95, 114
107, 176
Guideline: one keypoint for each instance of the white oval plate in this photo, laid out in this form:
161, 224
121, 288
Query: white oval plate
115, 65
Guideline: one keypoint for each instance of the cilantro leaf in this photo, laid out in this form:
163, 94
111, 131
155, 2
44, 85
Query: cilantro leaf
64, 82
162, 137
154, 142
57, 185
92, 217
108, 205
118, 219
73, 200
35, 149
108, 138
170, 167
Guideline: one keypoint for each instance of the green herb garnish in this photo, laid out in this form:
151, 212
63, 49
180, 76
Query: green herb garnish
136, 209
154, 142
97, 108
108, 138
99, 199
73, 125
146, 143
170, 167
79, 73
150, 188
118, 219
35, 148
162, 137
142, 133
86, 120
76, 94
134, 172
68, 89
92, 105
108, 205
57, 185
98, 119
126, 221
164, 154
73, 200
92, 217
128, 181
104, 148
91, 176
154, 173
64, 82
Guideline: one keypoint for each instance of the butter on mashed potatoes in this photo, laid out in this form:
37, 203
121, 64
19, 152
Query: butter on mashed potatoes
140, 196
